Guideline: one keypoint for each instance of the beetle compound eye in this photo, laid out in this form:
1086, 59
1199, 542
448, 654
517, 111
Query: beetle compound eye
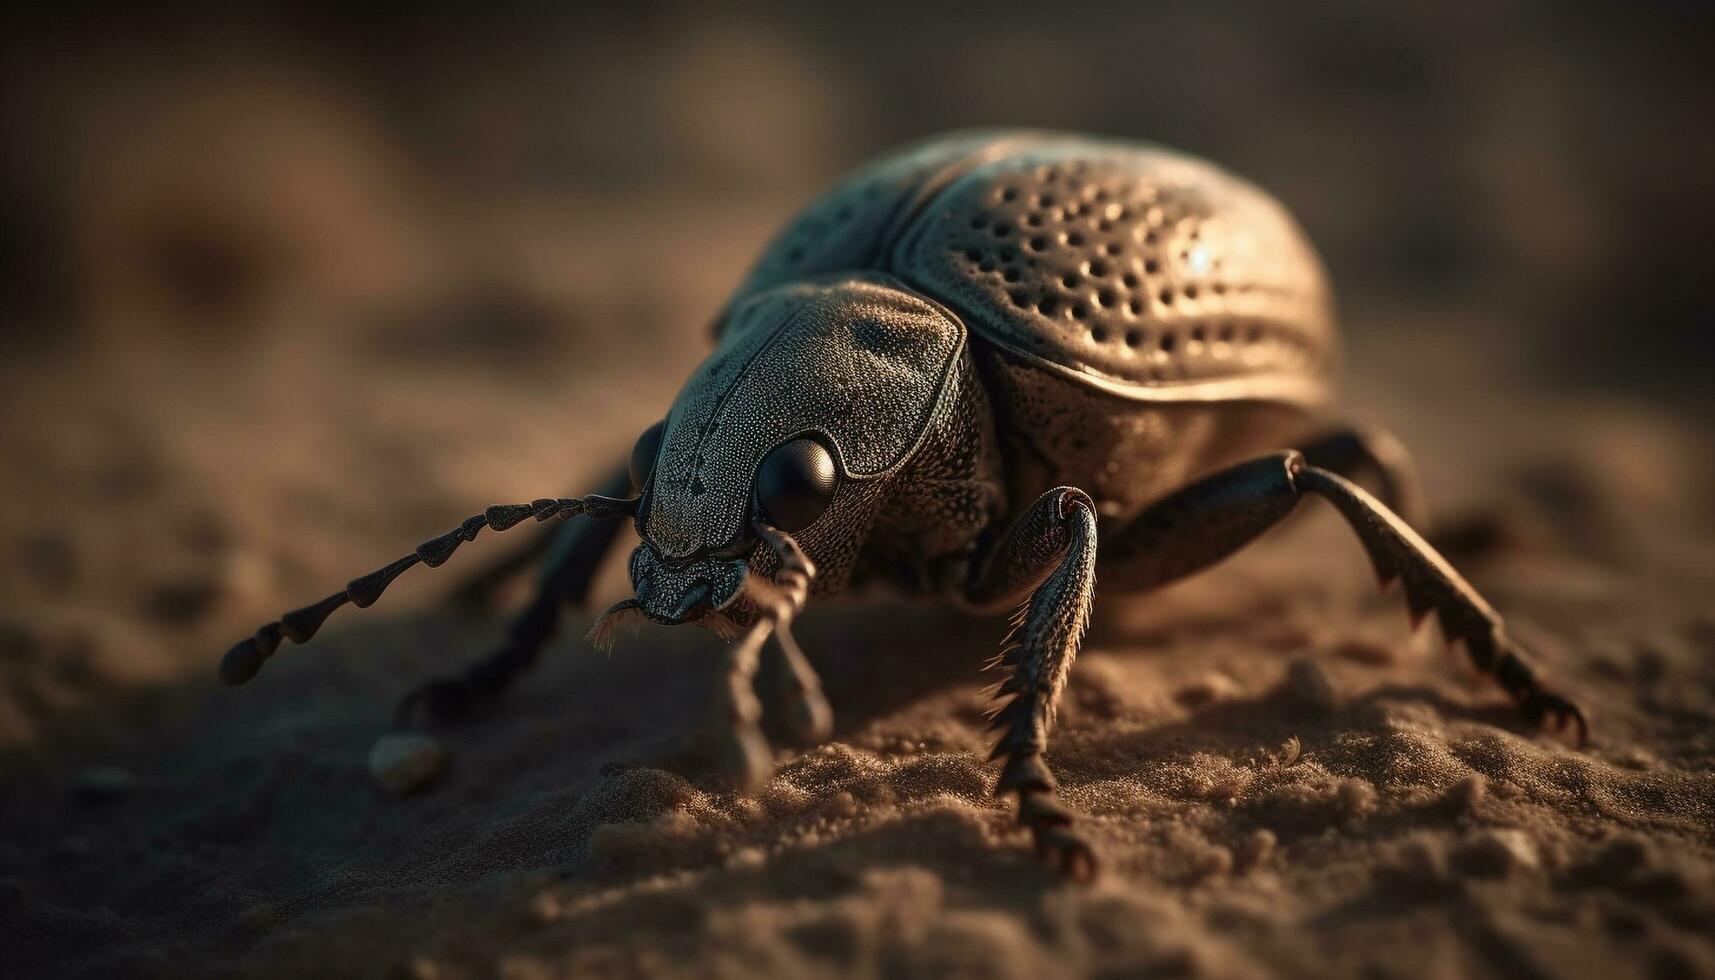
643, 454
795, 483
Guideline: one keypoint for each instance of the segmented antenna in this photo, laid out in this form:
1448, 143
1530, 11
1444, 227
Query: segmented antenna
248, 655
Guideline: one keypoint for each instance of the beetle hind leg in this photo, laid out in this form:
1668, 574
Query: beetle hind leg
479, 590
1380, 455
1431, 584
1206, 521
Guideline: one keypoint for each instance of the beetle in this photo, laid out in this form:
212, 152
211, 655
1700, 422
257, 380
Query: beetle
952, 375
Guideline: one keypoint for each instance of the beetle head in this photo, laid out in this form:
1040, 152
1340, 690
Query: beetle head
816, 391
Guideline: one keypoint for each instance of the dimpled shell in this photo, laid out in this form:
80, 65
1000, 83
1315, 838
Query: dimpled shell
851, 225
1131, 268
864, 340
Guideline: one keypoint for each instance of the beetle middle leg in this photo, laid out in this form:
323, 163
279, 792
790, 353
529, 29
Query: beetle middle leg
477, 590
1206, 521
1052, 547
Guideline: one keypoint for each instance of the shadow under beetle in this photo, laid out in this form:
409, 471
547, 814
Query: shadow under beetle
954, 374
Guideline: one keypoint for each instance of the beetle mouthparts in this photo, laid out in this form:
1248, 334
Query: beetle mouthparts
686, 609
601, 634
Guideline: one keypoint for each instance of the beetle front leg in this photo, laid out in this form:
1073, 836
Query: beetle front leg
1053, 546
745, 755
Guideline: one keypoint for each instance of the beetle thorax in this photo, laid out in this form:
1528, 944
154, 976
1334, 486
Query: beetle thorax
857, 365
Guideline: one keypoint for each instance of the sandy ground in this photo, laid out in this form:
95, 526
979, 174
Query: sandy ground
1281, 780
328, 349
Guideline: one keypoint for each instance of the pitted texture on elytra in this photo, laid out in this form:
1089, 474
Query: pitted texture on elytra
879, 357
1131, 263
843, 229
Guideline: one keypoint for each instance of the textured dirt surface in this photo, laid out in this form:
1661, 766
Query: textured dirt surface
336, 343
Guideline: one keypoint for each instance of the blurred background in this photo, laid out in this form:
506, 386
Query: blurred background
286, 291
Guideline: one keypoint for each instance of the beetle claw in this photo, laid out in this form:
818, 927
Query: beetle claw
809, 717
1067, 853
1557, 712
746, 758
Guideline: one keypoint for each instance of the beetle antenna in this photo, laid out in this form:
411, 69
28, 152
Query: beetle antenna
248, 655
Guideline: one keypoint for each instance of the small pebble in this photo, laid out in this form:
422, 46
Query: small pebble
1308, 684
1208, 689
1636, 757
841, 805
1496, 853
1623, 855
1467, 794
103, 784
1211, 861
1255, 850
404, 762
1357, 798
746, 859
545, 907
1421, 858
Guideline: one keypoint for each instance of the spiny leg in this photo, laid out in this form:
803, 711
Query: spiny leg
1200, 524
1354, 452
445, 700
1430, 583
1053, 546
247, 657
478, 589
746, 756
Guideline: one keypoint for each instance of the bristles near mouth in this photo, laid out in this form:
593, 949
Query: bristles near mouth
601, 634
